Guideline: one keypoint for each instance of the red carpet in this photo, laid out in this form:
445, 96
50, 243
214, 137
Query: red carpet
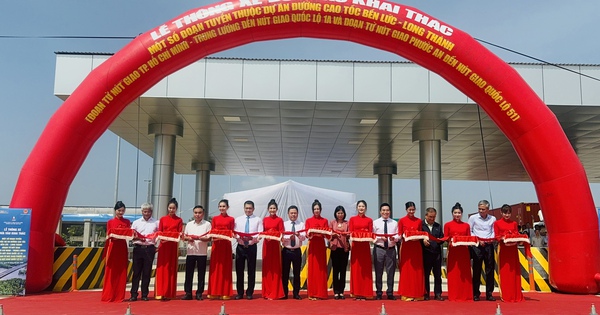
88, 302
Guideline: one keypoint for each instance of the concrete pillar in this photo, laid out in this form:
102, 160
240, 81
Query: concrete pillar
87, 231
384, 184
430, 165
165, 135
203, 184
94, 236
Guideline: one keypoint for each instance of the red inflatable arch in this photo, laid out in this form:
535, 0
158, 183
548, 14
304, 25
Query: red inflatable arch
522, 116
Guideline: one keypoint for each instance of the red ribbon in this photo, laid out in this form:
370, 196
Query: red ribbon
513, 234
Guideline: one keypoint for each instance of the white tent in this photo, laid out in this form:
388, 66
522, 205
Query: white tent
291, 193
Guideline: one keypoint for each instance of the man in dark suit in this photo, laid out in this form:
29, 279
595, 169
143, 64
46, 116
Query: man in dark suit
432, 254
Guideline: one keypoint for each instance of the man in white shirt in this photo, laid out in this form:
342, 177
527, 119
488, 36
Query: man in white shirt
246, 249
196, 252
143, 252
384, 251
291, 253
482, 226
538, 240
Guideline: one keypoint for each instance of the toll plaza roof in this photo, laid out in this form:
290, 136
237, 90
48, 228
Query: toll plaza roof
323, 118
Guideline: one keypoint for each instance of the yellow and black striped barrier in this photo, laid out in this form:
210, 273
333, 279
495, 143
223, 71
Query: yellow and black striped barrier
540, 270
540, 280
90, 268
304, 270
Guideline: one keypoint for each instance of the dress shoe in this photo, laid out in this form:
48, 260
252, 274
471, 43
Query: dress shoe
438, 297
476, 298
378, 297
297, 297
132, 299
391, 297
284, 297
199, 297
490, 298
426, 298
336, 297
249, 297
145, 298
187, 297
239, 297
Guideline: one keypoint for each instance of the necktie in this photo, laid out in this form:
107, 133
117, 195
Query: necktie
385, 243
247, 229
293, 240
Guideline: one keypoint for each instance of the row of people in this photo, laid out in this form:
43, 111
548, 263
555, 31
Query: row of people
143, 230
417, 259
463, 283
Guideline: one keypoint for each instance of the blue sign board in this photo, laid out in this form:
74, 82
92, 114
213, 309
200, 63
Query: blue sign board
14, 247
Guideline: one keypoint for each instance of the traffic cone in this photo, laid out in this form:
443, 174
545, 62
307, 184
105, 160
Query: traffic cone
592, 312
128, 312
383, 312
222, 312
498, 311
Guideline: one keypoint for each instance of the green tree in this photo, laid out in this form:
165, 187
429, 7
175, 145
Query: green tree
12, 287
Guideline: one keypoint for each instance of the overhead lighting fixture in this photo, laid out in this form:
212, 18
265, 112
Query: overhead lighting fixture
232, 118
355, 142
250, 159
368, 121
342, 161
254, 170
240, 139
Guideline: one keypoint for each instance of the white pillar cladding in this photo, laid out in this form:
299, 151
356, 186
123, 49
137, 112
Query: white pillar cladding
165, 136
203, 184
384, 184
430, 135
87, 231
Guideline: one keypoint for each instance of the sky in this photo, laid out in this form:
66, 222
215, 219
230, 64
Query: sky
553, 31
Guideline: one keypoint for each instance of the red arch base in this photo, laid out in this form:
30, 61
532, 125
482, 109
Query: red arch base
526, 121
